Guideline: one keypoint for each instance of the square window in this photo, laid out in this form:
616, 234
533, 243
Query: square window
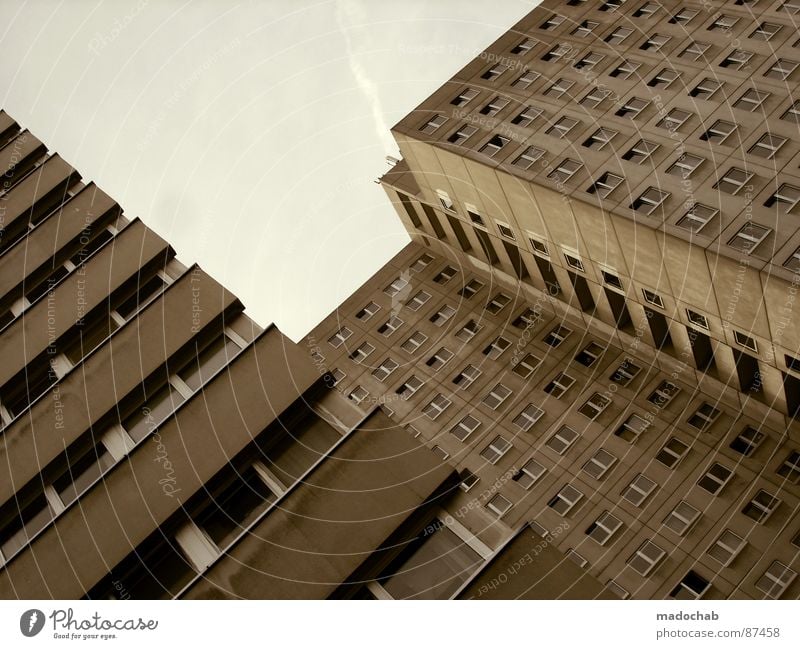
632, 427
747, 441
790, 469
565, 500
574, 262
410, 387
697, 319
470, 288
683, 17
697, 217
674, 119
664, 79
557, 52
362, 352
494, 145
527, 319
652, 298
468, 331
646, 558
685, 166
672, 453
527, 366
464, 428
464, 133
599, 464
706, 88
358, 394
562, 439
704, 417
695, 51
528, 417
736, 60
497, 396
594, 406
618, 35
649, 201
588, 61
664, 394
719, 131
385, 369
745, 341
585, 29
781, 69
551, 23
576, 558
528, 116
433, 124
625, 372
524, 46
368, 311
437, 406
681, 519
625, 70
496, 348
655, 42
397, 286
767, 146
559, 88
499, 504
600, 138
496, 449
414, 342
337, 339
786, 198
604, 528
761, 507
715, 479
557, 336
445, 313
418, 301
494, 72
525, 79
589, 354
559, 385
439, 359
692, 586
495, 106
605, 185
528, 157
632, 108
639, 489
751, 100
467, 377
468, 481
641, 151
564, 171
776, 580
464, 97
529, 474
611, 279
498, 303
390, 326
562, 127
726, 548
765, 31
445, 275
749, 236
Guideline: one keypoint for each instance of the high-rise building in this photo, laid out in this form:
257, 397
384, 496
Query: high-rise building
596, 318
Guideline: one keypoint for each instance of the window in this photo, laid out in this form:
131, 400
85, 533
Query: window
694, 51
606, 184
528, 157
696, 219
467, 377
646, 558
557, 52
559, 88
495, 144
706, 88
443, 315
747, 441
723, 23
494, 72
362, 352
464, 428
618, 590
776, 580
525, 46
494, 106
626, 372
599, 464
612, 5
496, 348
525, 79
736, 60
625, 70
765, 31
611, 279
632, 427
751, 100
685, 165
562, 439
439, 359
565, 500
655, 42
499, 504
792, 114
433, 124
600, 138
715, 479
588, 61
557, 336
790, 469
469, 481
786, 197
410, 387
594, 97
368, 311
530, 472
358, 395
697, 319
497, 395
704, 417
652, 298
559, 385
445, 275
767, 146
498, 303
464, 97
674, 119
589, 354
748, 238
574, 262
398, 285
632, 107
528, 417
761, 507
562, 127
413, 343
639, 489
692, 586
337, 375
649, 201
468, 331
437, 406
418, 301
792, 363
681, 518
551, 23
384, 370
618, 35
646, 10
337, 339
672, 453
781, 69
576, 558
641, 151
527, 366
604, 528
726, 548
471, 288
464, 133
498, 447
790, 7
444, 199
585, 29
390, 326
443, 455
594, 406
528, 116
683, 17
564, 171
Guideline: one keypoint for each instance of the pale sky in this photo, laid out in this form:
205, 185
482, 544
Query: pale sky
248, 134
